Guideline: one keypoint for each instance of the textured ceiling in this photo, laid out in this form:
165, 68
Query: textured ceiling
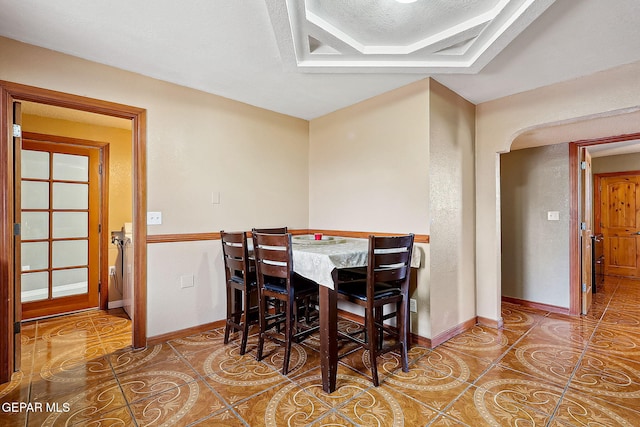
234, 48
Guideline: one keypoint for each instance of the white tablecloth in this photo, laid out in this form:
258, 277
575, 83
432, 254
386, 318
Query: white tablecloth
316, 262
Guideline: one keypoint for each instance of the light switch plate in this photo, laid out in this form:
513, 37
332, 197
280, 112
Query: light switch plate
553, 216
187, 281
154, 218
215, 197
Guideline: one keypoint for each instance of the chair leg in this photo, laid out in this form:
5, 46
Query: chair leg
277, 308
379, 312
373, 347
245, 324
290, 316
227, 327
405, 322
262, 312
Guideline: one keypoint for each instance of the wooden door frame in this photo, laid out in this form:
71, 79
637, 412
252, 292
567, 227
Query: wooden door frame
574, 222
103, 214
10, 92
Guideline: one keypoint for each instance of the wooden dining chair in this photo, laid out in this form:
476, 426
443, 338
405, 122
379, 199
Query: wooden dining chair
242, 308
277, 281
277, 230
386, 282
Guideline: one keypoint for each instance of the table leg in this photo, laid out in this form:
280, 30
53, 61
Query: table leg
328, 337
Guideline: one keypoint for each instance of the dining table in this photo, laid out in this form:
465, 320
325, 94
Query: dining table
320, 260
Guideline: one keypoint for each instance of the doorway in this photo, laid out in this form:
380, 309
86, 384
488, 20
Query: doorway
575, 282
11, 93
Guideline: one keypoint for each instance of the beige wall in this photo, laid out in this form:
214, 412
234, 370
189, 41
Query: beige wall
535, 261
403, 162
452, 211
499, 122
354, 158
120, 178
617, 163
369, 171
197, 144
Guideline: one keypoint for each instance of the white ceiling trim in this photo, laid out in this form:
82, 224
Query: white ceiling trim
313, 38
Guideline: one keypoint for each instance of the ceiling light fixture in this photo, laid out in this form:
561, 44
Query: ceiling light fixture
406, 1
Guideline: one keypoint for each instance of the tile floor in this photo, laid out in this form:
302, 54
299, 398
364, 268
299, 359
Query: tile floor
542, 369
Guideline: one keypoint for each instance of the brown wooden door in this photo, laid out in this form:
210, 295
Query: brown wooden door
620, 224
60, 207
586, 208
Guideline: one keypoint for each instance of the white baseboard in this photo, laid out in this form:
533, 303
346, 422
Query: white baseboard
116, 304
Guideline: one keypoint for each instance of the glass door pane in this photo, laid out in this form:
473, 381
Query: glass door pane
68, 167
35, 286
70, 282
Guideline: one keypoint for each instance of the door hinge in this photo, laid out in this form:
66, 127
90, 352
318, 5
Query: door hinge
584, 287
17, 131
100, 169
16, 327
99, 228
583, 226
583, 165
16, 229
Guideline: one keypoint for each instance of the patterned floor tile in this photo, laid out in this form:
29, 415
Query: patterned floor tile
616, 341
552, 362
182, 405
482, 407
145, 381
12, 393
609, 378
519, 389
198, 342
578, 409
129, 359
236, 382
628, 319
224, 419
333, 419
433, 387
483, 342
67, 372
79, 405
516, 317
556, 329
287, 404
384, 406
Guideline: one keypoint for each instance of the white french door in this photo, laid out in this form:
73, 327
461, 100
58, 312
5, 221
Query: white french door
59, 233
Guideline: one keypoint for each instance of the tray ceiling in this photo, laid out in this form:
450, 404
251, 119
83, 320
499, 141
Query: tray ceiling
451, 36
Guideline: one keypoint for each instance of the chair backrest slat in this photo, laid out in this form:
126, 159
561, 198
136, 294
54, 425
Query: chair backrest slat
389, 261
391, 274
273, 256
390, 258
276, 230
235, 253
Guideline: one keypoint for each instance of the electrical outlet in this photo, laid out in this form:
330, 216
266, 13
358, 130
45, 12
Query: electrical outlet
413, 305
154, 218
112, 270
